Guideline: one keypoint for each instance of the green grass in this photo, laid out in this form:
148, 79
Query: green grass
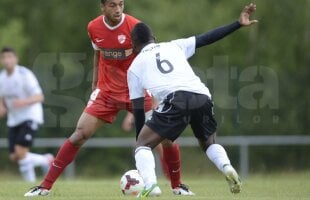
278, 186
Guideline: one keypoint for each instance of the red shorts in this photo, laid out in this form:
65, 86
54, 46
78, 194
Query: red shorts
105, 106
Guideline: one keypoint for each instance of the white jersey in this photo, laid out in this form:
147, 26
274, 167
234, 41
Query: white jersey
163, 69
21, 84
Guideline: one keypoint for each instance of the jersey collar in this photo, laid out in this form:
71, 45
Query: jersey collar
114, 27
148, 46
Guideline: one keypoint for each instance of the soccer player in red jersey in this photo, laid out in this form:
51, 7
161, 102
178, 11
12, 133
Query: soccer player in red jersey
110, 36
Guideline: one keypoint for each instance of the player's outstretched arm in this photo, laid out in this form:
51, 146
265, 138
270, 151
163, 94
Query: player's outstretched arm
221, 32
139, 114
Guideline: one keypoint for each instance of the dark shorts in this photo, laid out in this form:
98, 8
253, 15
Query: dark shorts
180, 109
22, 135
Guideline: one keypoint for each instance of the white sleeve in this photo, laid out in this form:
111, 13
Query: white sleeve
95, 46
31, 85
187, 45
136, 89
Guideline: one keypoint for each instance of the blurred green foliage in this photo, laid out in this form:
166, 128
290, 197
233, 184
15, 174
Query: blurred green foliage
51, 38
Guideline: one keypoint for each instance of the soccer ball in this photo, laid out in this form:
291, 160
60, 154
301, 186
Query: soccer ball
131, 183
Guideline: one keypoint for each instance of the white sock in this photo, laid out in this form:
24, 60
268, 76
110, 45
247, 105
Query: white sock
37, 159
145, 164
26, 168
217, 154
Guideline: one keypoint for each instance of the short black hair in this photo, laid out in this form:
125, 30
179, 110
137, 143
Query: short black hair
103, 1
8, 50
142, 33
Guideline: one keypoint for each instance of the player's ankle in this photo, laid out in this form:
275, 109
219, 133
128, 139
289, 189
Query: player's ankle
175, 185
46, 186
150, 185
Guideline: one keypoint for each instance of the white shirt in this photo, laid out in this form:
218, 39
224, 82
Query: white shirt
21, 84
163, 69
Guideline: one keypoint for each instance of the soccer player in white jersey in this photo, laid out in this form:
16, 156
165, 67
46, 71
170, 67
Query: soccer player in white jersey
163, 69
21, 100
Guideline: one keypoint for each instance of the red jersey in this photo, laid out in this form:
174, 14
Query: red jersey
116, 54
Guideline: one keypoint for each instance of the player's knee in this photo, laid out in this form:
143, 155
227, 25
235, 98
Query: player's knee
205, 144
167, 143
140, 143
144, 143
80, 136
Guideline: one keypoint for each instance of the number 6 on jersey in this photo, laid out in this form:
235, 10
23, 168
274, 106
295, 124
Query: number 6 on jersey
160, 65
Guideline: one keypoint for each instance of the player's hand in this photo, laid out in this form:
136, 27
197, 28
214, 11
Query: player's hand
20, 103
128, 122
245, 15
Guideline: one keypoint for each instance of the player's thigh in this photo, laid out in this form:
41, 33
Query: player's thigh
204, 124
86, 127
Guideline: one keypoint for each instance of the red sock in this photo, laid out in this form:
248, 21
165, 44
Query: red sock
165, 168
65, 156
173, 160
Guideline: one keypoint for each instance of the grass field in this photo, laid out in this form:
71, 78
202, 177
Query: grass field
280, 186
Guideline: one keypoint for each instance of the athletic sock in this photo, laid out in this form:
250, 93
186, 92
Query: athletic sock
145, 164
165, 167
218, 156
38, 159
26, 168
172, 158
65, 156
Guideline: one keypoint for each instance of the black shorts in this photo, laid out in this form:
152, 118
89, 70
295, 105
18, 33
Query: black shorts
180, 109
22, 135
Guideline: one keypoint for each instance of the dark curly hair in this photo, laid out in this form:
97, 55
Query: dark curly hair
142, 33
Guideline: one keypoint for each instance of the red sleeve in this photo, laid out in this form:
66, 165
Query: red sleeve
89, 30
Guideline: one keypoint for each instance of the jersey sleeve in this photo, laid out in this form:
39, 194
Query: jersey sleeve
136, 89
95, 47
188, 46
31, 85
